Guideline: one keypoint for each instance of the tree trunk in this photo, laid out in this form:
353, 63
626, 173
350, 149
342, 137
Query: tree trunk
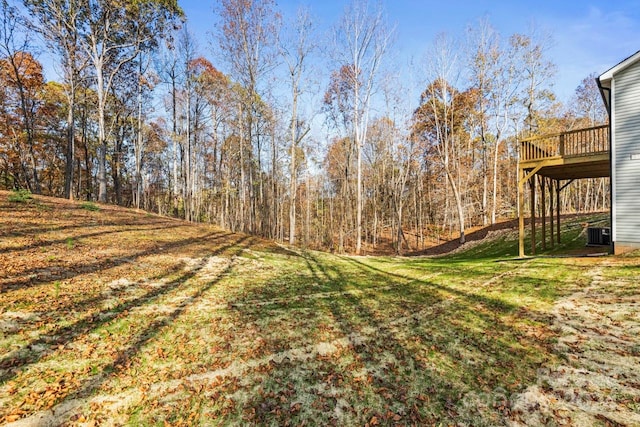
138, 144
485, 179
102, 139
293, 171
494, 203
68, 173
458, 199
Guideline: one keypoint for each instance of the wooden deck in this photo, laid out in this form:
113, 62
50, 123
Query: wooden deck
577, 154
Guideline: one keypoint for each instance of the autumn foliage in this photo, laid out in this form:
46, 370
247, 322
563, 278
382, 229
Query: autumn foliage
345, 158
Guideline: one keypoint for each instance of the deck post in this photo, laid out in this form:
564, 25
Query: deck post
551, 212
524, 176
543, 207
532, 183
558, 208
521, 211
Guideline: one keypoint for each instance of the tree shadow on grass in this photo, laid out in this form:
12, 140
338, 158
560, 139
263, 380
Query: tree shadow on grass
77, 269
13, 363
384, 391
495, 303
110, 217
137, 342
120, 229
433, 350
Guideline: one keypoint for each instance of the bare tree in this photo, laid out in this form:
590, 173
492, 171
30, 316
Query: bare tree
537, 74
111, 36
58, 22
494, 74
296, 51
187, 48
362, 39
586, 101
171, 72
144, 87
248, 36
404, 152
441, 118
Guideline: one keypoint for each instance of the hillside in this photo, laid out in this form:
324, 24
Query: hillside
111, 316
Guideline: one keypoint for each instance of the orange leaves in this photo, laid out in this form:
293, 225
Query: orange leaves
340, 87
85, 421
388, 418
11, 388
22, 117
22, 68
295, 407
203, 67
160, 353
13, 417
45, 398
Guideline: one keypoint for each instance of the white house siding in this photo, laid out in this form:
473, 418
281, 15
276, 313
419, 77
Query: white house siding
626, 155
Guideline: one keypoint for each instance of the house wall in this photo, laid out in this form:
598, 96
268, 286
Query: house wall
626, 157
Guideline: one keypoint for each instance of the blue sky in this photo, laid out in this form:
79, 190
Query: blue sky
589, 36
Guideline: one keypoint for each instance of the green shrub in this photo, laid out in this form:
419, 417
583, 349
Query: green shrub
90, 206
20, 196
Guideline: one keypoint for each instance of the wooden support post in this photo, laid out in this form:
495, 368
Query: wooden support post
525, 176
543, 207
532, 183
521, 211
558, 208
551, 212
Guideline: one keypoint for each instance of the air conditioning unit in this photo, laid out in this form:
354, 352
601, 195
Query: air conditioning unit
598, 236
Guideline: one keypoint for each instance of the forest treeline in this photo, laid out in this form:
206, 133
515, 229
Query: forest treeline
306, 136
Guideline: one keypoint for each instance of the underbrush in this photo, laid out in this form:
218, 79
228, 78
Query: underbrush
20, 196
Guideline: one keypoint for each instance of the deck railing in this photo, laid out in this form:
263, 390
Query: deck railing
580, 142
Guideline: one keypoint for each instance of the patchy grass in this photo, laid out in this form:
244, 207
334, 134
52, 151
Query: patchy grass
118, 317
20, 196
90, 206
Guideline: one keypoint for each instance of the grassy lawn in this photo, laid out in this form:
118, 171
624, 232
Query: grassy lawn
110, 317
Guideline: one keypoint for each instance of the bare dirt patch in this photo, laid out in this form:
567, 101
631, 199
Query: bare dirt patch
599, 338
